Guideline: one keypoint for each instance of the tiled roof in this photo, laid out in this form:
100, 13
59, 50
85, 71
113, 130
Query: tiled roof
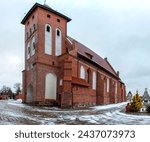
46, 7
83, 50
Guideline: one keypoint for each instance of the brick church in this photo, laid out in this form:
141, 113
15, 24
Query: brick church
61, 71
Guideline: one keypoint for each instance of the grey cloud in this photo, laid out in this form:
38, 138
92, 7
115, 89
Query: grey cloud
119, 31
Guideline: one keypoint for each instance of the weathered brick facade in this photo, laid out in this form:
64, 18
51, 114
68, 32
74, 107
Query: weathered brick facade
76, 77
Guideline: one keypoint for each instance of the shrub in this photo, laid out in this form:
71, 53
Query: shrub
136, 103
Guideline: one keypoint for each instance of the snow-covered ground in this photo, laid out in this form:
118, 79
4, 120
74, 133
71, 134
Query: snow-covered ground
14, 112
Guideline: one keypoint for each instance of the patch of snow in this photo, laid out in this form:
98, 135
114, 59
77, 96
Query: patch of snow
104, 107
133, 116
89, 118
19, 100
71, 117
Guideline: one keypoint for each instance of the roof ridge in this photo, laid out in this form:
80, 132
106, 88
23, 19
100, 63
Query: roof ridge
106, 60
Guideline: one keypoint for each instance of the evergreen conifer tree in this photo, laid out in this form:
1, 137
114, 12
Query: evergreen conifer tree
136, 103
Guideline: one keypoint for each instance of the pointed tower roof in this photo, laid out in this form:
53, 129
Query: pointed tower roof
146, 95
46, 7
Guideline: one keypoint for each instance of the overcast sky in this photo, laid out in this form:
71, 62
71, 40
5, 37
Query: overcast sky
117, 29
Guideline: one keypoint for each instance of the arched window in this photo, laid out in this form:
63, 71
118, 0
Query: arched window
27, 35
87, 77
108, 85
29, 94
33, 46
48, 39
34, 27
82, 72
28, 50
94, 81
50, 86
104, 87
58, 42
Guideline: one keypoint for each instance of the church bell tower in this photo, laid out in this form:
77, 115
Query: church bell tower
45, 35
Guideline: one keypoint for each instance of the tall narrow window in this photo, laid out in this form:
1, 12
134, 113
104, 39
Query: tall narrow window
50, 86
34, 27
104, 87
88, 76
58, 42
58, 33
30, 31
116, 88
61, 82
82, 72
94, 81
48, 28
107, 85
27, 35
33, 46
48, 39
28, 50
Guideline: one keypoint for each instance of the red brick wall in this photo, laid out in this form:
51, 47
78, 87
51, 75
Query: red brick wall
42, 20
64, 67
100, 89
66, 96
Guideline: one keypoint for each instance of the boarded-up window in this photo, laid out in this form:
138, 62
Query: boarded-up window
94, 80
108, 84
48, 39
33, 46
28, 50
116, 88
50, 86
58, 42
82, 72
88, 76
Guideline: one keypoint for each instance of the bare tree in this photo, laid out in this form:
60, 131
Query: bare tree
6, 91
17, 87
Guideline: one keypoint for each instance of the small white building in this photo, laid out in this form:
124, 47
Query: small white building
146, 100
143, 109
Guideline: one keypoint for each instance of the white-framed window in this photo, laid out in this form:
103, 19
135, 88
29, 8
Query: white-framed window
108, 85
82, 72
94, 81
58, 42
48, 39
